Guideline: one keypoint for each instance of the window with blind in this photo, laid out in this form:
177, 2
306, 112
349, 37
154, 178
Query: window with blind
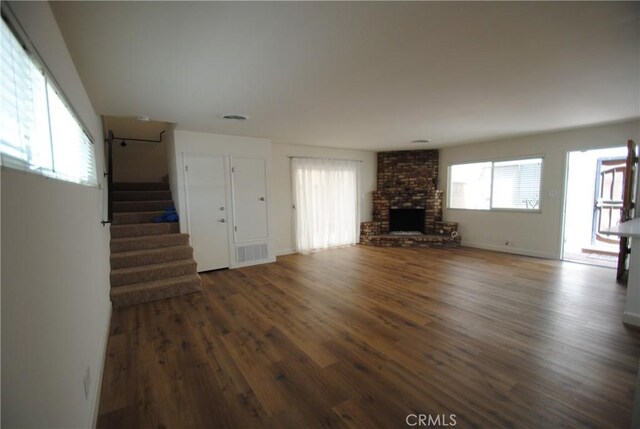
39, 133
470, 186
501, 185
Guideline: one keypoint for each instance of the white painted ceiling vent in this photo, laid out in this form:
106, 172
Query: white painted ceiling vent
421, 141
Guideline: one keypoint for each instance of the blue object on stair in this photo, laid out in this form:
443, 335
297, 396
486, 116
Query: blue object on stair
170, 215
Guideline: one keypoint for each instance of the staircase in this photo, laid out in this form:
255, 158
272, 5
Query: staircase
149, 261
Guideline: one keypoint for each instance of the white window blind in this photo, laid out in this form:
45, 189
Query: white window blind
39, 133
516, 184
510, 185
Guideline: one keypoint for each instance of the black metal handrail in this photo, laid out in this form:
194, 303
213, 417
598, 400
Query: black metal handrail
109, 175
125, 139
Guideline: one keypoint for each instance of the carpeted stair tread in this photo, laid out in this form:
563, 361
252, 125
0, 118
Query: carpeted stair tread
141, 195
149, 261
140, 229
138, 258
141, 206
155, 290
143, 186
128, 218
127, 244
146, 273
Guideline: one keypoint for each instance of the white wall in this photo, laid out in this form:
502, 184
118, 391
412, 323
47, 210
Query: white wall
217, 145
55, 286
536, 234
282, 193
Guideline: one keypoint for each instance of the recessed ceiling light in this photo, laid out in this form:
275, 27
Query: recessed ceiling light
143, 118
421, 141
235, 117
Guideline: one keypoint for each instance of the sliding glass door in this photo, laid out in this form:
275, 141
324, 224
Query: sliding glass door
325, 194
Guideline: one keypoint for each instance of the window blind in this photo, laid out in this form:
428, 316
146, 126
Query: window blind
516, 184
39, 132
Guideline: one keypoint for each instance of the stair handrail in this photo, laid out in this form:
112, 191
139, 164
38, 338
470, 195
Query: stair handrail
109, 175
125, 139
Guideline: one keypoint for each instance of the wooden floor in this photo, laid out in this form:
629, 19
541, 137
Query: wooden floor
361, 337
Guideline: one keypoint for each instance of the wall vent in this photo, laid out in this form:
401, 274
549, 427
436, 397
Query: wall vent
251, 252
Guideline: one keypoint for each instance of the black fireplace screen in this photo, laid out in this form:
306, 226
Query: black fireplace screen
406, 220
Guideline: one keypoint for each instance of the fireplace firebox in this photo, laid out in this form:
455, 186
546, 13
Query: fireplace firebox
406, 220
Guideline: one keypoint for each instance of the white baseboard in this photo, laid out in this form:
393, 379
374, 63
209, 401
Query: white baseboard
631, 318
283, 252
100, 374
514, 250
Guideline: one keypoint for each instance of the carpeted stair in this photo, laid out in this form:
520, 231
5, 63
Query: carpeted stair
149, 261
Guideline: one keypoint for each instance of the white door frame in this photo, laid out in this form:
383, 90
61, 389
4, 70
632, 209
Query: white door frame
227, 191
233, 199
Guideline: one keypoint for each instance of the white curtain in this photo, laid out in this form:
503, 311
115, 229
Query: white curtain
325, 194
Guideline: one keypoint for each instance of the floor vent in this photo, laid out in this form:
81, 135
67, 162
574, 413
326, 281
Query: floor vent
251, 252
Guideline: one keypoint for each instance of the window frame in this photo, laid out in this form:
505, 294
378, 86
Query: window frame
493, 161
13, 24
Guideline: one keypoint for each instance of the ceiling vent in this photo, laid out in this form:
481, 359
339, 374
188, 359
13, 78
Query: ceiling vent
235, 117
421, 141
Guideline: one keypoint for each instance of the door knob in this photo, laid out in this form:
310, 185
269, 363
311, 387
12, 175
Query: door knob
222, 220
221, 208
261, 198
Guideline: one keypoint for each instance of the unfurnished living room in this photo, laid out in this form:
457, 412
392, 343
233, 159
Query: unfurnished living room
320, 214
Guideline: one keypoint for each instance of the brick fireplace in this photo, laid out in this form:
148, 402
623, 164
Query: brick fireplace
408, 186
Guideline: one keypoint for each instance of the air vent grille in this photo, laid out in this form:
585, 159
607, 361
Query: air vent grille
251, 252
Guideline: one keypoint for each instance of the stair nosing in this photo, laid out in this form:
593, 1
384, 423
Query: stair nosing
154, 266
150, 251
131, 225
144, 201
143, 237
147, 190
140, 183
143, 212
167, 280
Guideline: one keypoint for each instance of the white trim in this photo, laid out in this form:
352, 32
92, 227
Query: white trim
631, 319
493, 162
514, 250
96, 401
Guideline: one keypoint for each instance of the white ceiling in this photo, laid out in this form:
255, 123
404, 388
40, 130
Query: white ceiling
360, 75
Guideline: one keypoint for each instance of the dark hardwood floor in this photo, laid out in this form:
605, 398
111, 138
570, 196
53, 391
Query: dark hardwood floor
361, 337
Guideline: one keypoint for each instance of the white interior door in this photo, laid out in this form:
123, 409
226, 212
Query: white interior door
205, 181
249, 199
